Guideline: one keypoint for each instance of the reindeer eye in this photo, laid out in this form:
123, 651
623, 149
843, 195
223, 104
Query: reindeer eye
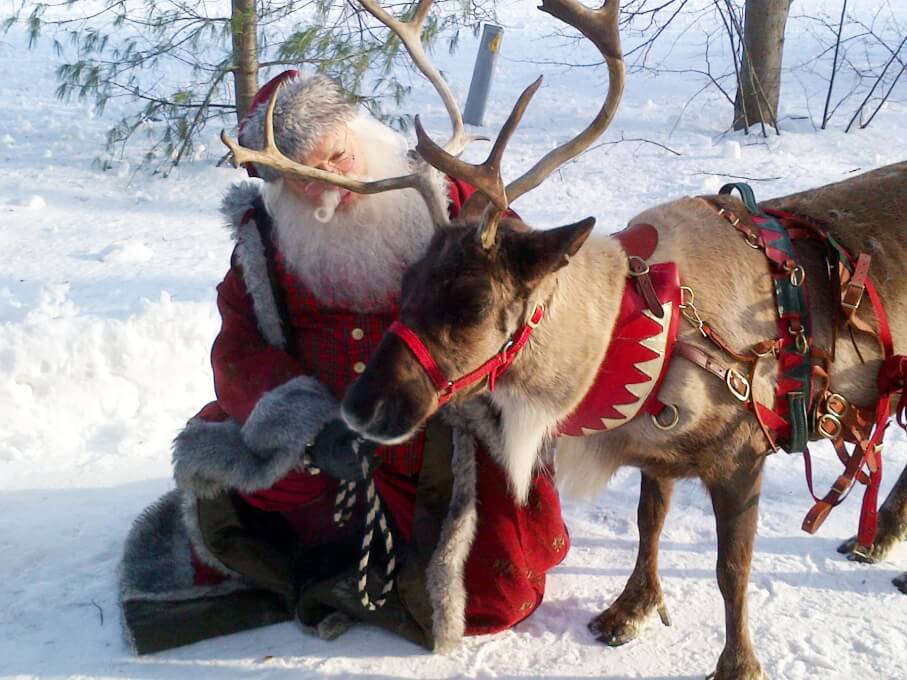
468, 304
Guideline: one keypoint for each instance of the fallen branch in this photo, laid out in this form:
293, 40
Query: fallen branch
634, 139
749, 179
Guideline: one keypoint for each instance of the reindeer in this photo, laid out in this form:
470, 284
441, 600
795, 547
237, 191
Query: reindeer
543, 305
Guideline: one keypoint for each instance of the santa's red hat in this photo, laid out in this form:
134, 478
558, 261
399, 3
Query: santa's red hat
307, 108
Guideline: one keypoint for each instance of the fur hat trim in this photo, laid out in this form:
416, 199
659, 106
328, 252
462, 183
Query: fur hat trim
307, 108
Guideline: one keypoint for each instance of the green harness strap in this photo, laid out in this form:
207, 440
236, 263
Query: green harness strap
795, 381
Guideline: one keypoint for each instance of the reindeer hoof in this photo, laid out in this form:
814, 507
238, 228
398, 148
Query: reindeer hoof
737, 667
615, 627
900, 582
876, 553
890, 533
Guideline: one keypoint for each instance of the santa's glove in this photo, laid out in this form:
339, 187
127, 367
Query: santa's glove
340, 453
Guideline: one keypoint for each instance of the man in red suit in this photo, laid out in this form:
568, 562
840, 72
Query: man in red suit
253, 534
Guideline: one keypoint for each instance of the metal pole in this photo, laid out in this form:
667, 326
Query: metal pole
481, 74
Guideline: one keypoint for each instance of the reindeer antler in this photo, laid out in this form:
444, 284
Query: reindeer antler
600, 26
486, 177
410, 34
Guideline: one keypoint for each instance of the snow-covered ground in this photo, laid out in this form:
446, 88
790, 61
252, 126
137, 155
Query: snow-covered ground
106, 320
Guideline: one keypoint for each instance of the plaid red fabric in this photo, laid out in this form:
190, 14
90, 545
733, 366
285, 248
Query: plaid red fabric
333, 346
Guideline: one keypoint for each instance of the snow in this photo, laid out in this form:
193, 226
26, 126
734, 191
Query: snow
106, 321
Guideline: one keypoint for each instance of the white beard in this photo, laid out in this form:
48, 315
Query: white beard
356, 260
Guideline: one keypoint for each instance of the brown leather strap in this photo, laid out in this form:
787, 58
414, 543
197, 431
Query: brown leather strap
639, 242
737, 383
701, 358
836, 495
741, 220
639, 271
725, 346
852, 290
855, 286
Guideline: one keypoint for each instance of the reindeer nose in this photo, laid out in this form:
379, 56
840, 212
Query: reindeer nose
360, 414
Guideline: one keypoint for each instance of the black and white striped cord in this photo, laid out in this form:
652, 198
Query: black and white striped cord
344, 504
375, 516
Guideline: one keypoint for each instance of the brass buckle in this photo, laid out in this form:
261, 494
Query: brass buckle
733, 222
836, 405
752, 240
848, 305
645, 265
797, 276
675, 418
829, 426
732, 375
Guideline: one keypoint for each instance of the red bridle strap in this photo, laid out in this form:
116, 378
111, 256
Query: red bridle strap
492, 368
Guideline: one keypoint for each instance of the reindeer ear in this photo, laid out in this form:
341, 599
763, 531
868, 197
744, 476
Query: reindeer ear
533, 255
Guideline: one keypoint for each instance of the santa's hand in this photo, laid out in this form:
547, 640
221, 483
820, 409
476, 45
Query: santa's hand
340, 453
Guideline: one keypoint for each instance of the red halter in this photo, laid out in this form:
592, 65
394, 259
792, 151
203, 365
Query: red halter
492, 368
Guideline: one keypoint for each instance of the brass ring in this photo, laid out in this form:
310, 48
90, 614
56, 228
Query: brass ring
797, 276
675, 418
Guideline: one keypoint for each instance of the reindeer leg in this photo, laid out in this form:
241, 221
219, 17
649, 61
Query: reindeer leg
892, 529
735, 501
620, 622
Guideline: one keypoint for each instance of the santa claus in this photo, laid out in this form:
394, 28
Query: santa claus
253, 533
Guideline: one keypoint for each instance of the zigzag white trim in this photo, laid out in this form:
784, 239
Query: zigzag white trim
651, 368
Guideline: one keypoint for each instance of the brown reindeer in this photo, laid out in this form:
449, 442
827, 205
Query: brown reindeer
484, 283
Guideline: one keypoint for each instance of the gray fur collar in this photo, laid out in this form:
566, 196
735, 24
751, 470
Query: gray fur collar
239, 199
250, 254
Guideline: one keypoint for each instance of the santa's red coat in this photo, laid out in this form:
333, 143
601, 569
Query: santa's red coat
514, 546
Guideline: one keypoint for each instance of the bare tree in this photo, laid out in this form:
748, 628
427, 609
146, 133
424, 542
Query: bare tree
759, 84
867, 50
245, 54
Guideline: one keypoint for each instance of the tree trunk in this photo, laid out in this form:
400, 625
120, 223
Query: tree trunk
244, 24
760, 73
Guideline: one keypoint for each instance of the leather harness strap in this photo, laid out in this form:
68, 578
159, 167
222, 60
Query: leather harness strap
804, 404
639, 241
832, 416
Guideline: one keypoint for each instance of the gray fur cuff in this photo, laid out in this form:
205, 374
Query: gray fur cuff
212, 457
287, 419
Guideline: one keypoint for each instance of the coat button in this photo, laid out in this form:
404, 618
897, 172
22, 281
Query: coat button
358, 367
358, 334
